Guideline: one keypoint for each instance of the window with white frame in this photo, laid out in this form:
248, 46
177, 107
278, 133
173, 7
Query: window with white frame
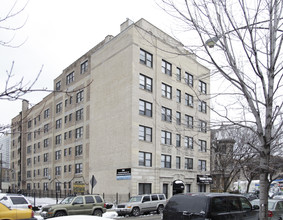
46, 142
178, 118
145, 159
58, 139
178, 96
145, 83
46, 113
178, 140
178, 74
178, 162
80, 96
59, 107
189, 142
145, 108
58, 155
79, 114
79, 150
145, 133
166, 68
57, 170
58, 123
78, 168
45, 157
166, 91
58, 86
166, 137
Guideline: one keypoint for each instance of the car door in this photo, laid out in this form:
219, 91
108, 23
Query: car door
145, 204
89, 203
278, 212
77, 206
219, 208
247, 212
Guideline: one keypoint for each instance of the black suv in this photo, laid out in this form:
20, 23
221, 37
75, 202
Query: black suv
209, 206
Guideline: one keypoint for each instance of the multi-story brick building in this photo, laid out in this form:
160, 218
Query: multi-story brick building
132, 111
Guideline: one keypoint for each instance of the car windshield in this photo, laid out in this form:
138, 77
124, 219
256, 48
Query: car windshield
136, 199
67, 200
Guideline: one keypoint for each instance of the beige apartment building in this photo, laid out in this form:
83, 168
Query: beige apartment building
132, 112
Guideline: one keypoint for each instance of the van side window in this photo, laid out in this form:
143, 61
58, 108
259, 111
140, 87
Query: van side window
218, 204
154, 197
89, 199
234, 204
245, 204
146, 199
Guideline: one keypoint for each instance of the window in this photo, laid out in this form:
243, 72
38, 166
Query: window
65, 168
58, 155
188, 188
29, 175
178, 162
57, 170
166, 91
45, 186
45, 172
166, 114
165, 161
178, 140
79, 114
145, 133
145, 159
29, 124
29, 136
189, 79
202, 165
70, 150
145, 108
70, 168
178, 74
202, 106
202, 145
166, 68
166, 137
70, 78
189, 100
189, 121
202, 87
178, 118
78, 168
45, 157
28, 149
189, 163
84, 67
79, 132
145, 83
144, 188
189, 142
28, 161
58, 123
202, 126
178, 96
145, 58
45, 128
78, 150
46, 113
58, 86
46, 142
59, 107
80, 96
58, 139
89, 200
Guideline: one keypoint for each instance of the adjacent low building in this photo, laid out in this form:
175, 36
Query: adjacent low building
130, 117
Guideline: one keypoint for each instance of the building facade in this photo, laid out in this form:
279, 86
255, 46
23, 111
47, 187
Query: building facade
131, 112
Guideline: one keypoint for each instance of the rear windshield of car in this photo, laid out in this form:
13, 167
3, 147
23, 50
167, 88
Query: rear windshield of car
188, 203
18, 200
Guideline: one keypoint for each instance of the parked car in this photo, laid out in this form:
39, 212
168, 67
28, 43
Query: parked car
142, 204
275, 208
14, 201
278, 195
7, 213
76, 205
250, 196
212, 206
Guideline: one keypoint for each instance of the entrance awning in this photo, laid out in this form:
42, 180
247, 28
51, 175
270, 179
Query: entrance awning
204, 179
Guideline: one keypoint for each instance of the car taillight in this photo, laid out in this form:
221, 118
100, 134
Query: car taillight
30, 206
104, 205
270, 214
32, 214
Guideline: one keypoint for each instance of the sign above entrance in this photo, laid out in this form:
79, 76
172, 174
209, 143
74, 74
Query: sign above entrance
204, 179
123, 174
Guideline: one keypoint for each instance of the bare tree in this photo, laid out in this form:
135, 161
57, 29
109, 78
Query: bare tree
247, 36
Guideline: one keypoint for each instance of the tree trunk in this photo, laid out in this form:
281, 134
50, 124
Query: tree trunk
248, 186
263, 195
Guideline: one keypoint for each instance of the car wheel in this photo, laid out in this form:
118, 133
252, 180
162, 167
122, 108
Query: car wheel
97, 212
60, 213
136, 211
160, 209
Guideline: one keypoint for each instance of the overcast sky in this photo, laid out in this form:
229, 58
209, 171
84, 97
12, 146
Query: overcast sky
57, 32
